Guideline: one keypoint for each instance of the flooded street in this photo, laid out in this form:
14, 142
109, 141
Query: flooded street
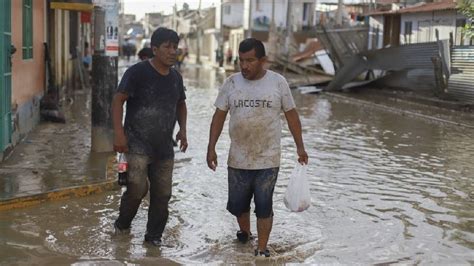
386, 188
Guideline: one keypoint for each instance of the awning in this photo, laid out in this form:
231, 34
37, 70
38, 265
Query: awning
75, 5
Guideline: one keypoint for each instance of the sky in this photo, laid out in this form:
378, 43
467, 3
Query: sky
140, 7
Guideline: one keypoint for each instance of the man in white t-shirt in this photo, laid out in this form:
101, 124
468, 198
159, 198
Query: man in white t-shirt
255, 98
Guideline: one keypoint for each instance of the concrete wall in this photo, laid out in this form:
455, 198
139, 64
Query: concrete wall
151, 22
263, 8
28, 75
425, 24
232, 14
235, 37
59, 47
209, 47
297, 14
183, 25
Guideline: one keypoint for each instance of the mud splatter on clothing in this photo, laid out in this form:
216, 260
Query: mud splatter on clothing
255, 107
151, 109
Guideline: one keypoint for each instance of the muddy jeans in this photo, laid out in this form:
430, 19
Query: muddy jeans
245, 184
143, 173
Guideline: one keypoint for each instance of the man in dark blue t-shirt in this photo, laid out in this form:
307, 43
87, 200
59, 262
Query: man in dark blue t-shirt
155, 98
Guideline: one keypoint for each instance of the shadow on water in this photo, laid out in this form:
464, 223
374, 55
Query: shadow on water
385, 188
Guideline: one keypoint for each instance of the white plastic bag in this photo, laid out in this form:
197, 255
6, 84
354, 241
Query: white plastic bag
297, 195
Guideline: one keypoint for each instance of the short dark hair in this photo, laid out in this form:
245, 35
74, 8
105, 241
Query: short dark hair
162, 35
252, 43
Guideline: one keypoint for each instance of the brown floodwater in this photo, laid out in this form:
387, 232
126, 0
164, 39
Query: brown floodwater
386, 188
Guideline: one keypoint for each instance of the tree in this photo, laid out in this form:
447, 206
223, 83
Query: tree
466, 7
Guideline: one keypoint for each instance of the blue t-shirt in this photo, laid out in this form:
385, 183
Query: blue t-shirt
151, 109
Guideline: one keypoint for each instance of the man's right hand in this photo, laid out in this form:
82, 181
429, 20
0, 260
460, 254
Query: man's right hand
212, 159
120, 143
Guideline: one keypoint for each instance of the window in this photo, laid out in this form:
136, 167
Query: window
306, 7
408, 31
27, 29
227, 10
377, 36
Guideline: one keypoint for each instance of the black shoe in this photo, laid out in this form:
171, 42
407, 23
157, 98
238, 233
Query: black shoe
243, 236
153, 241
262, 254
119, 230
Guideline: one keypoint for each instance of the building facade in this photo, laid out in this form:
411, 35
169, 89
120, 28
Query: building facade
425, 22
22, 73
32, 29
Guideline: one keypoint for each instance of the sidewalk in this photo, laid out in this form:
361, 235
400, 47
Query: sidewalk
410, 103
54, 161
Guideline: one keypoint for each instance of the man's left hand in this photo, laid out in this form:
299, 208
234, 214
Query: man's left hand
302, 156
183, 140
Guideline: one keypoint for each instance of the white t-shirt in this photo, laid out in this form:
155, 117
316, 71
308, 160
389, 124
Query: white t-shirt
255, 125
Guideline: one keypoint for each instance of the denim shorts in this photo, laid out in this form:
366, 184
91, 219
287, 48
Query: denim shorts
245, 184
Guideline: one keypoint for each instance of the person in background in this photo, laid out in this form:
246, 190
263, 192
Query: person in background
145, 53
229, 56
255, 98
155, 98
87, 58
179, 59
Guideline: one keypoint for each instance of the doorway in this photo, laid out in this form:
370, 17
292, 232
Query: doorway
5, 74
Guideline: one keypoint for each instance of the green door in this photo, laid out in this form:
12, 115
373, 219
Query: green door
5, 74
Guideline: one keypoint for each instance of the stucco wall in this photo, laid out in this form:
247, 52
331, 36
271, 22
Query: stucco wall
424, 25
264, 8
28, 76
235, 17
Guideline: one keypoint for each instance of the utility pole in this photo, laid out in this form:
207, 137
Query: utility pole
175, 17
315, 14
272, 37
340, 4
221, 44
273, 14
198, 46
288, 27
249, 32
104, 78
173, 20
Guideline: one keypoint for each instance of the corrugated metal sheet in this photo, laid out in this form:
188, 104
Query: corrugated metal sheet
344, 43
461, 81
413, 61
409, 56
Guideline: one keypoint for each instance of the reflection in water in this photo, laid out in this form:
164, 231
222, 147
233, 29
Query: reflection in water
52, 152
386, 189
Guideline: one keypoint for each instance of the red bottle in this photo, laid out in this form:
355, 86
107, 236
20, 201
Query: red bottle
122, 170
